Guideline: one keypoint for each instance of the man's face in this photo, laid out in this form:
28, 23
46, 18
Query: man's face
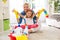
26, 7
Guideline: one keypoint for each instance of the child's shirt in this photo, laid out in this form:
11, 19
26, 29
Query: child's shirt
29, 21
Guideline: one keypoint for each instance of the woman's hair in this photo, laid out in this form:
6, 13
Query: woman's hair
31, 14
26, 4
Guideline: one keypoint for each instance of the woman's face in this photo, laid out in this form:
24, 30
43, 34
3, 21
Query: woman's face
26, 7
29, 14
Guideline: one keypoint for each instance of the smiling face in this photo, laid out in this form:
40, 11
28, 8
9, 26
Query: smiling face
26, 7
29, 14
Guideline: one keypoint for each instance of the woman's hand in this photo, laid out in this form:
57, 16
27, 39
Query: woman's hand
21, 15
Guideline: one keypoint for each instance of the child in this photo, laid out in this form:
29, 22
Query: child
29, 21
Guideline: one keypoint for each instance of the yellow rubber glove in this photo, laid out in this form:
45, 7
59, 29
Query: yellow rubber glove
39, 13
16, 13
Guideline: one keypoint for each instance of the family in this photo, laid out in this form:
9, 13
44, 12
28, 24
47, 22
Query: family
30, 18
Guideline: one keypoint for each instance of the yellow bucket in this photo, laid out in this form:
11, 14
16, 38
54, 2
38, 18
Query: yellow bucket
22, 37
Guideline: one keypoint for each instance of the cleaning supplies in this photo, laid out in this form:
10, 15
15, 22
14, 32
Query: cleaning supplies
26, 30
18, 31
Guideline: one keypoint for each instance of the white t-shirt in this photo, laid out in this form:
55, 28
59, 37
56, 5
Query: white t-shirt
29, 21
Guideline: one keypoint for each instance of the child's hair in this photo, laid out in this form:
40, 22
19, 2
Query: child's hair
31, 14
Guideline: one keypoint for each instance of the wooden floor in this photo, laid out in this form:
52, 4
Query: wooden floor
46, 33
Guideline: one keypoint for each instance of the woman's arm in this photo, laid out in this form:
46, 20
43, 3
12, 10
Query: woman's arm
21, 15
17, 13
34, 14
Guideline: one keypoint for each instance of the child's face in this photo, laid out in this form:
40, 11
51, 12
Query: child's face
26, 7
29, 14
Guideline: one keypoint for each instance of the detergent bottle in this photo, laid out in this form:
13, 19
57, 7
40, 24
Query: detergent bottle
26, 30
18, 31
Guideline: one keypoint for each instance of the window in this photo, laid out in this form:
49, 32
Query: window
57, 6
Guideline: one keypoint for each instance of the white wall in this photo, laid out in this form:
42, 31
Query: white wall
1, 17
41, 4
